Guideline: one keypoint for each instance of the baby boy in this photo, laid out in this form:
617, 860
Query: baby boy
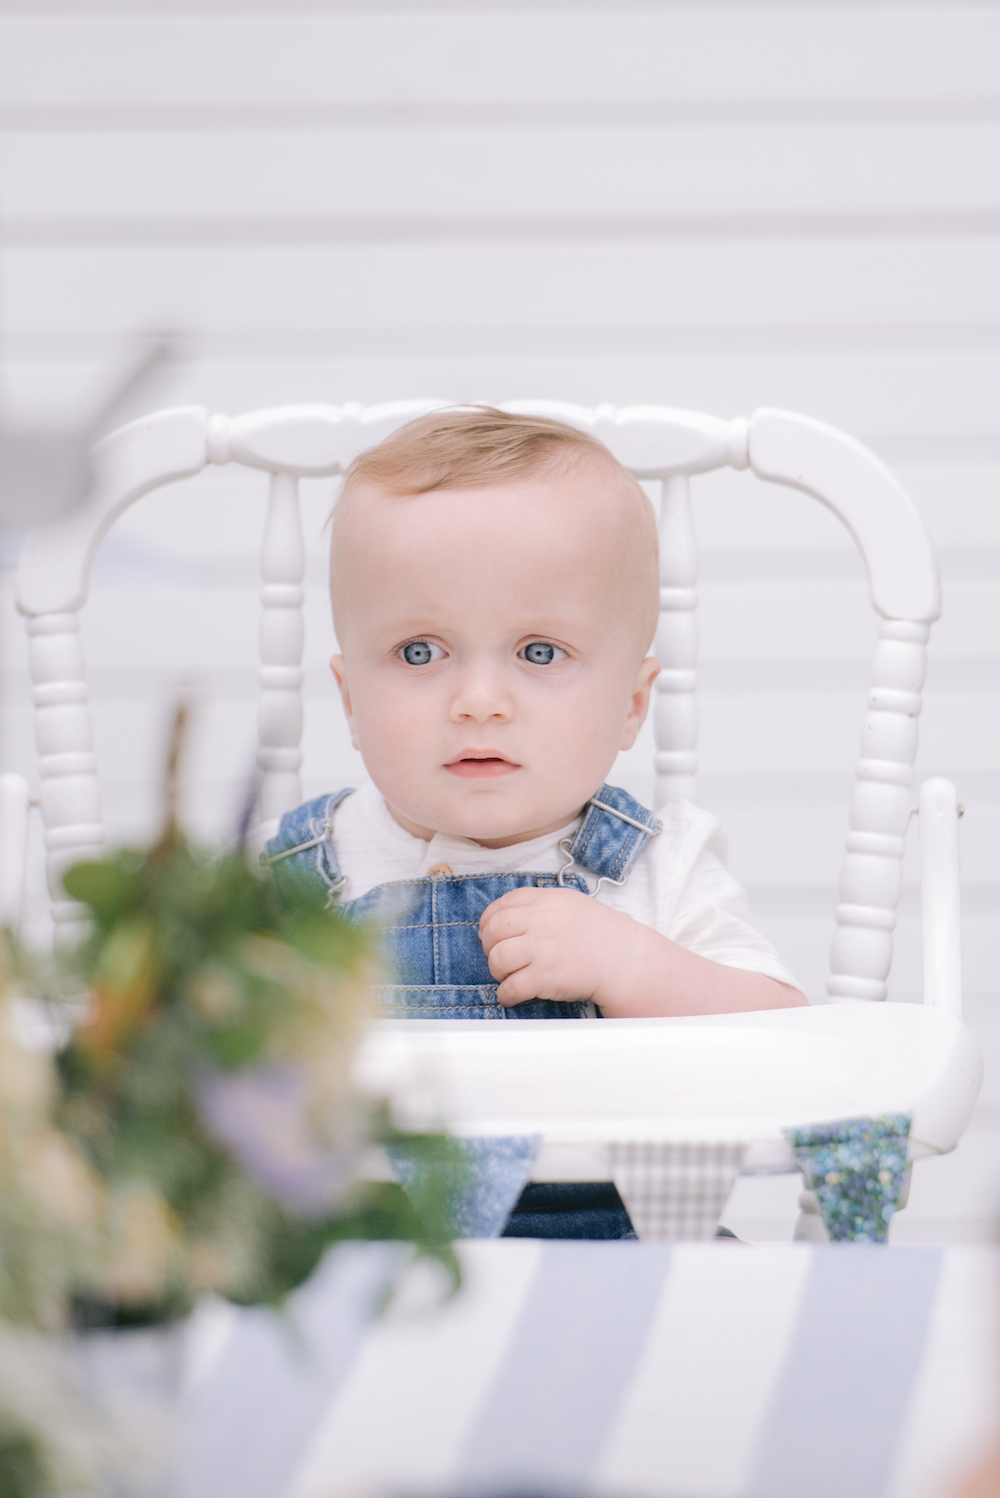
495, 592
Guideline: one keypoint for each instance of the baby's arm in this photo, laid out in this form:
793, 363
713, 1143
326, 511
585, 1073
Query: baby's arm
560, 944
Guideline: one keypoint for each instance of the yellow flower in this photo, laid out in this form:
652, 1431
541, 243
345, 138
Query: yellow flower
146, 1246
61, 1180
215, 993
27, 1078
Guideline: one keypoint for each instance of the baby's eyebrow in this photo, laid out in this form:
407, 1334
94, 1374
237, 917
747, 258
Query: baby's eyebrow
405, 629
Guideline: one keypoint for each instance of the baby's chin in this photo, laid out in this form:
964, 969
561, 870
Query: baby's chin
483, 811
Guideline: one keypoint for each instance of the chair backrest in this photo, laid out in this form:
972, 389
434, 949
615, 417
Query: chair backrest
655, 443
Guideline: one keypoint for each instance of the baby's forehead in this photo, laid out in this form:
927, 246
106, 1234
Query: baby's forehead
565, 538
528, 541
510, 531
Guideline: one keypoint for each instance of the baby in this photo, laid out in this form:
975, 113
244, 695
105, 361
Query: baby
495, 592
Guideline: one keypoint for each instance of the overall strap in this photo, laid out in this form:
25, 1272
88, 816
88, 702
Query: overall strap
305, 835
613, 833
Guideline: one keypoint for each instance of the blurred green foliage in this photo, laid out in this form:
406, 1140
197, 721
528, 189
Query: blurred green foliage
24, 1472
198, 967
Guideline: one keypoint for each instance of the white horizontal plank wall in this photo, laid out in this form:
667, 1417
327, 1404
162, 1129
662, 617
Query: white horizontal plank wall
712, 207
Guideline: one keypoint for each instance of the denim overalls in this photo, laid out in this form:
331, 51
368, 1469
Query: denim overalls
430, 930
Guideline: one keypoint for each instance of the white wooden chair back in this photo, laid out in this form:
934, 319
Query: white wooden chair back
653, 443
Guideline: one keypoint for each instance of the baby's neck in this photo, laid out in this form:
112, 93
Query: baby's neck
508, 841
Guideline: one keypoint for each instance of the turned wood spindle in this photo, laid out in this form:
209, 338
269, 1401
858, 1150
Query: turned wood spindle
282, 635
675, 714
70, 805
872, 871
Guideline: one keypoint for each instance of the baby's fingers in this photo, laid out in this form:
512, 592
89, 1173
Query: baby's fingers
498, 921
509, 956
517, 989
515, 899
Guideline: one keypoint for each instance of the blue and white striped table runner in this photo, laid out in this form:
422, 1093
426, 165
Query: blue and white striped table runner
628, 1370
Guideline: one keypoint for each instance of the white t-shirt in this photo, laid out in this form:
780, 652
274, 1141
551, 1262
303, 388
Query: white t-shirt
678, 884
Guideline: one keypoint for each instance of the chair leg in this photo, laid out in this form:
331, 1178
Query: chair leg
810, 1227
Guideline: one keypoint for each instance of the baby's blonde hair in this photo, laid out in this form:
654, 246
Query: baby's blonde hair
471, 447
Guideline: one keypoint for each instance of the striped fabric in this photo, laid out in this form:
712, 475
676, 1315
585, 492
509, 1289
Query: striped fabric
643, 1370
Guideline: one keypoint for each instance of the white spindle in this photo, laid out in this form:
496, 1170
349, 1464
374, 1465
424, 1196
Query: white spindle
282, 636
71, 809
941, 895
14, 800
675, 715
871, 874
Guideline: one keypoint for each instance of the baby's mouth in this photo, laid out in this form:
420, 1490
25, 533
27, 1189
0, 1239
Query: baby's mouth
480, 765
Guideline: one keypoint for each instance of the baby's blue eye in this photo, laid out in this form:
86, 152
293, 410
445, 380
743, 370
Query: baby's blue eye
541, 653
420, 652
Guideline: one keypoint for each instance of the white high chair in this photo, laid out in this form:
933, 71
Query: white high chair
754, 1074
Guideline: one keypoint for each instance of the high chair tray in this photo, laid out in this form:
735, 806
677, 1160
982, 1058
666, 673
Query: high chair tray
586, 1083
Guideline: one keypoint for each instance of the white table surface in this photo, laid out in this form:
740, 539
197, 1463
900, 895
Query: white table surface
694, 1371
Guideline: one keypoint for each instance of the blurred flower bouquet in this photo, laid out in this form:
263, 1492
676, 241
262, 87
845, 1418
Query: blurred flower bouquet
198, 1130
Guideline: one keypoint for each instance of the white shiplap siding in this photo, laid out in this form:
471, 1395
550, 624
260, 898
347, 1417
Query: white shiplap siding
710, 206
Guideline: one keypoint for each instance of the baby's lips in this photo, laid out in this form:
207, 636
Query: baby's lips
481, 751
481, 767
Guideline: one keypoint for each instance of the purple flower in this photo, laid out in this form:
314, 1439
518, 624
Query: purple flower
262, 1117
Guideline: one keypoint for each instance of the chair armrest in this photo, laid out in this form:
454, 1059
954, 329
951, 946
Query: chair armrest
14, 800
940, 895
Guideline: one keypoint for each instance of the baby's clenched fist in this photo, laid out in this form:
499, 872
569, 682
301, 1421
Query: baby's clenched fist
555, 944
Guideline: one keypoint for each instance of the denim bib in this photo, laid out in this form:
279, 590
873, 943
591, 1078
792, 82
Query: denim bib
430, 926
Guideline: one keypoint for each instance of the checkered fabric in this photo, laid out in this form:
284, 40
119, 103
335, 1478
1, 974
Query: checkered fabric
675, 1191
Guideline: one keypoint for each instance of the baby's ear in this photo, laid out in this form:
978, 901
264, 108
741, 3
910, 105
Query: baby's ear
647, 673
339, 670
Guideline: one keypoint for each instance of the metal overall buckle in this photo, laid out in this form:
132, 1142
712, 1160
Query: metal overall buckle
337, 884
565, 843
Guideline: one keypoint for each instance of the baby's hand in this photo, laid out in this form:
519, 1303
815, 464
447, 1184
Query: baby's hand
559, 944
554, 944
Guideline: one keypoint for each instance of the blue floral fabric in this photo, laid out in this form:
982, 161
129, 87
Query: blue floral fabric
857, 1169
496, 1172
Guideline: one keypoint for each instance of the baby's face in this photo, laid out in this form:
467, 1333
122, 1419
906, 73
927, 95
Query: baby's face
492, 661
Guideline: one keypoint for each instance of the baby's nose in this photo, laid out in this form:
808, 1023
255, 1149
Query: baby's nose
483, 695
